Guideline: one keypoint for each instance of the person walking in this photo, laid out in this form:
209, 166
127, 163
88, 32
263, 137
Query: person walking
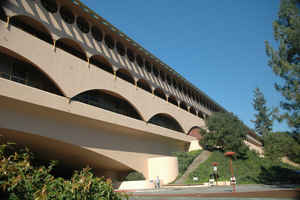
157, 183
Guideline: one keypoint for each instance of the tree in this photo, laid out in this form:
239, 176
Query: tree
280, 144
285, 61
263, 122
225, 131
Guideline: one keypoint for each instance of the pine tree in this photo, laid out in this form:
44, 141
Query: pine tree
263, 122
285, 61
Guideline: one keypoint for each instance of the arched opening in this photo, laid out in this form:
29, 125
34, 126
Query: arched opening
3, 16
82, 24
50, 5
173, 100
169, 80
67, 15
193, 111
179, 87
140, 61
109, 41
71, 47
148, 66
166, 121
155, 71
120, 48
97, 34
130, 55
159, 92
144, 85
162, 76
109, 101
18, 69
102, 63
174, 84
200, 114
125, 75
183, 106
195, 132
32, 27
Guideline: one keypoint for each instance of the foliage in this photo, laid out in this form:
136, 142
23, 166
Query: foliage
20, 179
225, 131
185, 159
134, 176
263, 122
285, 62
281, 144
253, 170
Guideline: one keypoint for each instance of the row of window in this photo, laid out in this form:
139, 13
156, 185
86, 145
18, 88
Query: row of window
71, 47
68, 16
27, 74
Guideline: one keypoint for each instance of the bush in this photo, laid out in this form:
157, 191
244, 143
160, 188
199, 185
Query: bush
20, 179
185, 159
251, 170
134, 176
279, 144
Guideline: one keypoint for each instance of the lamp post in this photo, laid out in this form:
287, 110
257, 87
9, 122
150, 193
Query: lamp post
230, 154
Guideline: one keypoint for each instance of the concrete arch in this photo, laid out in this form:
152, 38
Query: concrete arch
55, 148
183, 105
32, 26
125, 75
200, 114
172, 99
192, 110
144, 85
160, 93
3, 15
195, 132
72, 47
102, 63
103, 102
11, 53
167, 121
60, 63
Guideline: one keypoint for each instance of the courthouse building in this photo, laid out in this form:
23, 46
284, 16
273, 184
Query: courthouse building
75, 88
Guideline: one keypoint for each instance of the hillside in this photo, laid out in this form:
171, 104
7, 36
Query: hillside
252, 170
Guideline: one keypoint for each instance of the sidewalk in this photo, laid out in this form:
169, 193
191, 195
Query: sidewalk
200, 191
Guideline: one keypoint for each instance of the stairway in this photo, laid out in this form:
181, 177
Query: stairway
197, 161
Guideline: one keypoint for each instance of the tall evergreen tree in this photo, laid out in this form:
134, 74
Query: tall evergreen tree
263, 122
285, 61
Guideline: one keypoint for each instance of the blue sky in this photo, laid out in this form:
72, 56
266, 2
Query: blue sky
218, 45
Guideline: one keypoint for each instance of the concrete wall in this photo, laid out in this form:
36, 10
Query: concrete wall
127, 141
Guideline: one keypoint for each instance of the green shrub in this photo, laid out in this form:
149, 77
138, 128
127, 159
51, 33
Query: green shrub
185, 159
134, 176
251, 170
20, 180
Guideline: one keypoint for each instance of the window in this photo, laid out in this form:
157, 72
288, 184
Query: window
50, 5
109, 42
140, 61
83, 25
148, 66
130, 55
155, 71
97, 34
120, 48
67, 15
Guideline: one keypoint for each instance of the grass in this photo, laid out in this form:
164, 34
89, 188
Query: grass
247, 171
185, 159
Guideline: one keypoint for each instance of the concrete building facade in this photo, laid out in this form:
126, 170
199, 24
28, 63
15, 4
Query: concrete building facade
75, 88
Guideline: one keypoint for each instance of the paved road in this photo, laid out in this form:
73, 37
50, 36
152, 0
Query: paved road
212, 193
